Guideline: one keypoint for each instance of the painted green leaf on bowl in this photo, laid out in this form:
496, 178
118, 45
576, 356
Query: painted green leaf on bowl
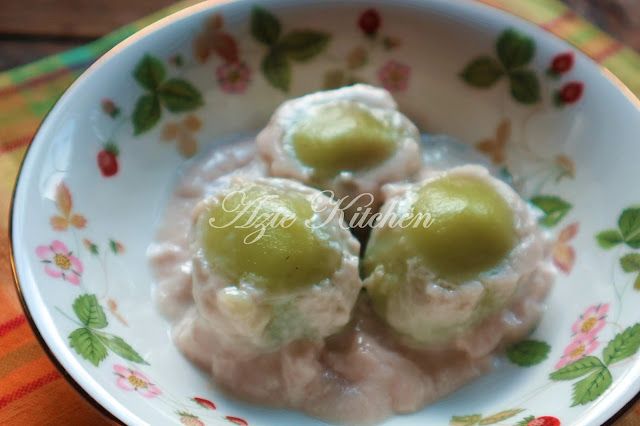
528, 352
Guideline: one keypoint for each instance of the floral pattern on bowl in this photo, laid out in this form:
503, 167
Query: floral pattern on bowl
102, 161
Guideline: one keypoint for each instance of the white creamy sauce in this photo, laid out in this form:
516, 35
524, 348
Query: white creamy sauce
361, 375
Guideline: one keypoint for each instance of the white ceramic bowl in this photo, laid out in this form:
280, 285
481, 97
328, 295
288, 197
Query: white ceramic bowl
83, 215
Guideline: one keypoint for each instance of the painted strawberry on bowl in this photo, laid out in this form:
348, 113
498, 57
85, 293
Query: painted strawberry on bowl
540, 421
108, 160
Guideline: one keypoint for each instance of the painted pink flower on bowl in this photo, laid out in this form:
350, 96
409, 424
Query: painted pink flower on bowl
581, 346
233, 77
394, 76
591, 321
134, 380
60, 262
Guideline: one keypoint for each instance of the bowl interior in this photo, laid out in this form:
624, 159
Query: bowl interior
100, 168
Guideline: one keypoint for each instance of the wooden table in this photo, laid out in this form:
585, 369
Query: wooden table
31, 29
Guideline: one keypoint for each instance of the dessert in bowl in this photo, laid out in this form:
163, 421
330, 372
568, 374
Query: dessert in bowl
525, 146
265, 293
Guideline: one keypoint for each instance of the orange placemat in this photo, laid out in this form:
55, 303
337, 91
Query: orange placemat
32, 391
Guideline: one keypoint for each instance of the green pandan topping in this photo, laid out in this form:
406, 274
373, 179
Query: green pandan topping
472, 229
343, 137
286, 257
